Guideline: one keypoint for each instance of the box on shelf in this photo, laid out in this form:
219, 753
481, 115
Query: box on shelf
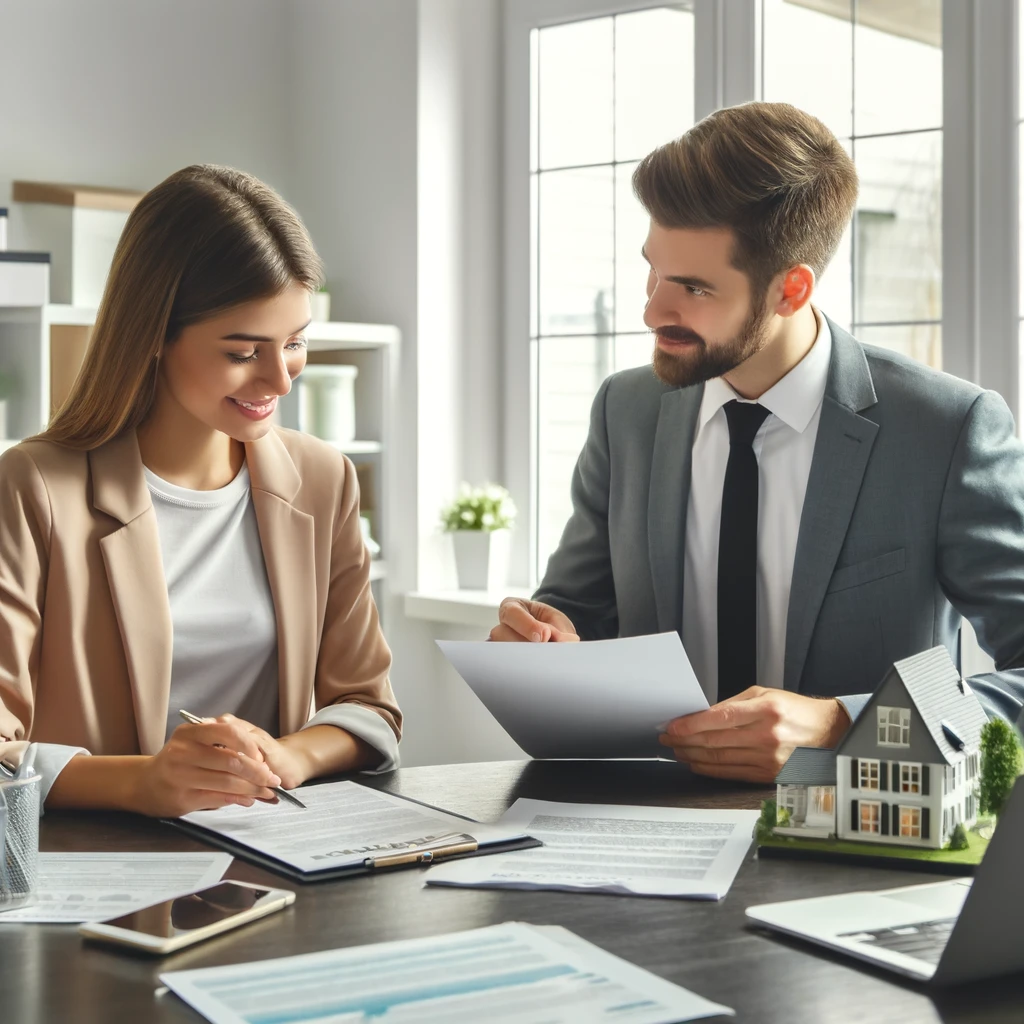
24, 278
79, 225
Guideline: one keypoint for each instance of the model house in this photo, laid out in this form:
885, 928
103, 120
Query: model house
905, 773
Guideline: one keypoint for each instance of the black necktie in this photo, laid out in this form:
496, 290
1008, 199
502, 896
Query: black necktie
737, 554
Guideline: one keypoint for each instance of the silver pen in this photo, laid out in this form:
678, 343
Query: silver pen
278, 791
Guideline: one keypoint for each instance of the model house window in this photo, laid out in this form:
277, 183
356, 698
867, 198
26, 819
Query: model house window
894, 727
599, 103
910, 822
870, 816
873, 73
823, 800
788, 799
868, 774
910, 778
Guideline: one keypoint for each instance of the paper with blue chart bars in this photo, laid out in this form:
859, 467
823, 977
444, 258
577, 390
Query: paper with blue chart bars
603, 698
515, 973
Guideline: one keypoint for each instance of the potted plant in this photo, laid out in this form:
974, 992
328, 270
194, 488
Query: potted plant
320, 304
480, 521
8, 386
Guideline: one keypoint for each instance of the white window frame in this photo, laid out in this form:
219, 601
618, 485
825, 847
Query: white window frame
885, 724
914, 828
979, 205
910, 778
874, 819
868, 775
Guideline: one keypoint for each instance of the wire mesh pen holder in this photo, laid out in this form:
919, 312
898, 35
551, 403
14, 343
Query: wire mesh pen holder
19, 842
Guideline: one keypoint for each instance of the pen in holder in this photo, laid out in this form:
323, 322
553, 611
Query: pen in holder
19, 838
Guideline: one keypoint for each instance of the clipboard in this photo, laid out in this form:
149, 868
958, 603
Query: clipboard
389, 856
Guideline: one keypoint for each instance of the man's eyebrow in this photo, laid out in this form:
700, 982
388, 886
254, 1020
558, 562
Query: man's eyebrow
693, 282
239, 336
689, 282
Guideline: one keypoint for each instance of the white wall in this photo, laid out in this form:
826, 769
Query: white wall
123, 93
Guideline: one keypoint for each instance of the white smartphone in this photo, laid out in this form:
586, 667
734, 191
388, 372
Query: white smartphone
173, 924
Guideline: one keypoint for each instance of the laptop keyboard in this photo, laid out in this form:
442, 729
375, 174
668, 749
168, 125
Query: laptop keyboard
924, 940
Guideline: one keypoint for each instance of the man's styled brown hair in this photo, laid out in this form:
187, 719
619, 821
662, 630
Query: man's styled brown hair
774, 175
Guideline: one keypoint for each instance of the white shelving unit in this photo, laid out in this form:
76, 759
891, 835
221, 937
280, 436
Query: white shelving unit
44, 345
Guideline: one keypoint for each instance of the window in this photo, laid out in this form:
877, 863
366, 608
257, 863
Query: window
788, 799
894, 727
823, 800
870, 816
910, 778
599, 103
868, 774
910, 822
873, 72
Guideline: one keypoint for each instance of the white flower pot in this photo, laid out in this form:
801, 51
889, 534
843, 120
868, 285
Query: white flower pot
481, 558
320, 306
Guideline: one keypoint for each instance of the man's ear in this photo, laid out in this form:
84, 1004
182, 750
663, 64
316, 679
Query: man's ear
797, 288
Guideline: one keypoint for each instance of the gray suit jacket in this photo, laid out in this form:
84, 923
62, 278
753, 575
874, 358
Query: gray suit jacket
914, 516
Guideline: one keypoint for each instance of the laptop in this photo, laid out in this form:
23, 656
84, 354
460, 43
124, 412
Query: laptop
942, 932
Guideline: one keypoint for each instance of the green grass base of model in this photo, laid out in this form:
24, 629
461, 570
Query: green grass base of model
889, 855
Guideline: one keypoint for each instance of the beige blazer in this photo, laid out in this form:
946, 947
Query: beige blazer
85, 624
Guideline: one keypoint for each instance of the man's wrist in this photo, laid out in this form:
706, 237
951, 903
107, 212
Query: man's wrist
841, 722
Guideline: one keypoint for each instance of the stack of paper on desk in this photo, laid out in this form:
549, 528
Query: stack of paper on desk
643, 851
76, 887
604, 698
344, 829
514, 973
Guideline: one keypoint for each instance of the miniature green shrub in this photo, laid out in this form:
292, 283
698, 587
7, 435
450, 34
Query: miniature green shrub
958, 840
1000, 765
768, 820
782, 818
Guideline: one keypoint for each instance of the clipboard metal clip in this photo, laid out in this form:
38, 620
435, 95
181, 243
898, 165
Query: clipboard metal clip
444, 846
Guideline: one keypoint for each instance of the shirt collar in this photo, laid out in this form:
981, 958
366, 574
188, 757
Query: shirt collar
795, 398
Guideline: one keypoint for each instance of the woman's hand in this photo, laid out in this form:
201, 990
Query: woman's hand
202, 767
286, 760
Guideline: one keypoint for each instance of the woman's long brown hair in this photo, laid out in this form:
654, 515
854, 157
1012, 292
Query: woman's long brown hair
204, 240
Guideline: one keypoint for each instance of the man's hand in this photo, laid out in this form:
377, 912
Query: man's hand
750, 736
533, 622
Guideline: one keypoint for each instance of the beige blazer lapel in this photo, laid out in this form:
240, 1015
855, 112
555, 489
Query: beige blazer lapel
287, 539
135, 575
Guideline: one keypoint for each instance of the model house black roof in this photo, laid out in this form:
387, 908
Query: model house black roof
809, 766
942, 698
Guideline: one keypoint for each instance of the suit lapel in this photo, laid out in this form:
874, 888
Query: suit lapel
841, 454
135, 575
668, 501
287, 539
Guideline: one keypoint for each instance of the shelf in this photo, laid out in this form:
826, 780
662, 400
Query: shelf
337, 336
70, 316
358, 447
478, 608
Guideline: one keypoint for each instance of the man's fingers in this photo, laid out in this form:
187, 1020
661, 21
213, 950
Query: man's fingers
727, 715
514, 614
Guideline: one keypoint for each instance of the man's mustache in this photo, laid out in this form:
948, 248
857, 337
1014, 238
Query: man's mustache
671, 332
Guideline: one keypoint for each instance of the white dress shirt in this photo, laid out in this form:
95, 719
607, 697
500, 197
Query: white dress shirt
783, 447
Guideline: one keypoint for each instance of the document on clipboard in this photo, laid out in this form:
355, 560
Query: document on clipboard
347, 829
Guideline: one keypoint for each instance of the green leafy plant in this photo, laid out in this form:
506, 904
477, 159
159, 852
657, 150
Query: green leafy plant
479, 508
1001, 762
958, 840
769, 819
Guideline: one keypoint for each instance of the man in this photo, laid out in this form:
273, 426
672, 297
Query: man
805, 510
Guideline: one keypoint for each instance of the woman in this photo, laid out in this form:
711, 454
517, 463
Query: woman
164, 546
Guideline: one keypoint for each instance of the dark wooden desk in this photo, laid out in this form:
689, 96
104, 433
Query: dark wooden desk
48, 975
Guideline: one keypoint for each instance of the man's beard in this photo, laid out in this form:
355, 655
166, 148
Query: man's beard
703, 363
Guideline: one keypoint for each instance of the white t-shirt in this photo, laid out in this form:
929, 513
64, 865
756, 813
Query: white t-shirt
225, 628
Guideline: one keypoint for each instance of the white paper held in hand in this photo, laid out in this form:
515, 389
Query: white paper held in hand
595, 699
